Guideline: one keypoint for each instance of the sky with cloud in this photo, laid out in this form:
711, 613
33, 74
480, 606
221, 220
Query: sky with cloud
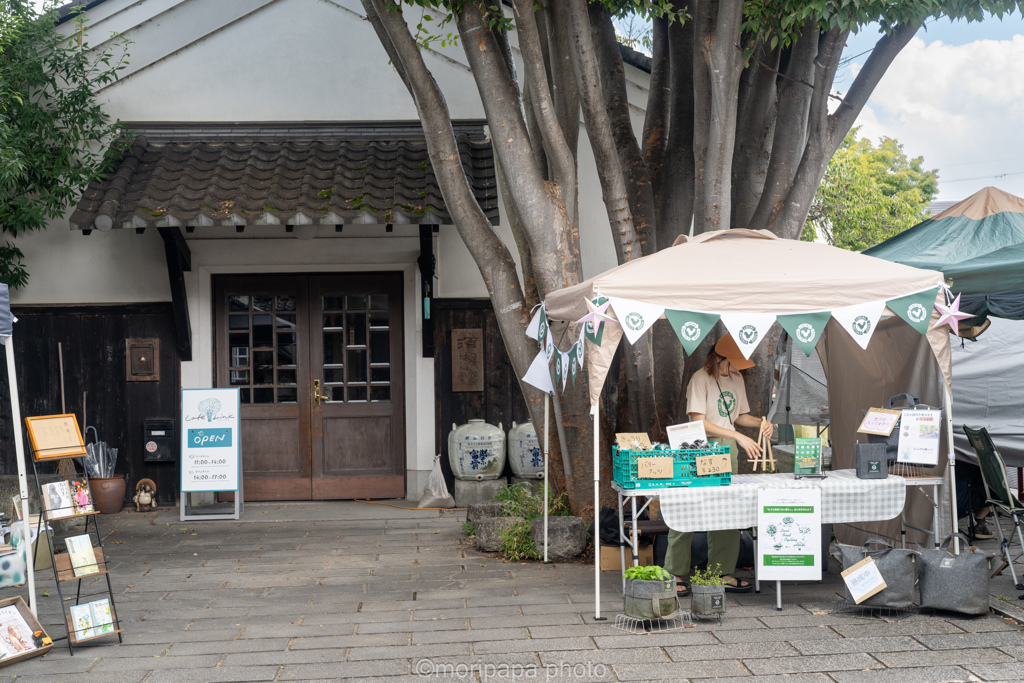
954, 95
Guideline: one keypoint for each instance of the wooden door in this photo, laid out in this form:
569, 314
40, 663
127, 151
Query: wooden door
318, 361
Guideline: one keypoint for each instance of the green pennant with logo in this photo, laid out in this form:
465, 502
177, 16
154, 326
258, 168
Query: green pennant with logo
805, 328
588, 328
558, 369
542, 327
573, 363
690, 327
916, 309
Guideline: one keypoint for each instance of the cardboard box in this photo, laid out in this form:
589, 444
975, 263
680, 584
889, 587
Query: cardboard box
610, 557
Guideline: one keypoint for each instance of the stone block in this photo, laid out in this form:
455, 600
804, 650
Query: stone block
567, 536
469, 492
488, 532
479, 511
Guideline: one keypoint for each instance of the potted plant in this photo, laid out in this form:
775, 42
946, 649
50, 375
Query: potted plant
708, 592
650, 593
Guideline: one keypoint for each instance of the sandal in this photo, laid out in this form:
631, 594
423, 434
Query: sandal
682, 589
738, 586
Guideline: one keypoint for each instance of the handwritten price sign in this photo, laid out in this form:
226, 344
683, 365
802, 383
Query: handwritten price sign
713, 464
654, 468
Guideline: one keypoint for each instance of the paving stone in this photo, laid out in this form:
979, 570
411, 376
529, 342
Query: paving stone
467, 636
810, 664
776, 635
215, 675
548, 644
926, 674
284, 657
223, 647
685, 637
784, 678
847, 645
1013, 671
905, 627
155, 663
623, 655
26, 676
532, 620
690, 670
337, 670
732, 651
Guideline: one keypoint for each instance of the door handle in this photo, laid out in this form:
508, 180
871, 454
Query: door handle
317, 396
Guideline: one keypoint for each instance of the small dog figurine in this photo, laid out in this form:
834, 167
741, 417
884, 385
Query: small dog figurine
145, 495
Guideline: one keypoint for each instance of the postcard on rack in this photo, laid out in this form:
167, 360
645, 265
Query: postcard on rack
687, 435
628, 441
82, 555
879, 421
81, 617
15, 633
101, 616
81, 495
57, 500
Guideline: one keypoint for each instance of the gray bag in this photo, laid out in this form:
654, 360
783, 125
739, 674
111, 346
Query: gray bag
897, 567
959, 583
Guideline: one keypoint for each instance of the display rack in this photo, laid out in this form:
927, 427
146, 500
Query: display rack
63, 569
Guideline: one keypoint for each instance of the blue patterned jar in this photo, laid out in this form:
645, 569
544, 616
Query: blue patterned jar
524, 453
476, 451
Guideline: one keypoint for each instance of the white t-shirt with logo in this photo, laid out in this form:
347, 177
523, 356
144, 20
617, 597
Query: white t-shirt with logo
719, 408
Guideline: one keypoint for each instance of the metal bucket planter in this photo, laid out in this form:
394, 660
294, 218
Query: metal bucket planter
649, 599
707, 601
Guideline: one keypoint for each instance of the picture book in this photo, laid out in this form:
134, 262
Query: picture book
57, 500
102, 619
15, 633
83, 558
81, 617
81, 496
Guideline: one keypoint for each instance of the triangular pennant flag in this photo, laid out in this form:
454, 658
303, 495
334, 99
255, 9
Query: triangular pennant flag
543, 328
549, 346
580, 352
564, 357
588, 327
690, 327
539, 375
860, 320
636, 317
573, 364
916, 309
559, 370
748, 329
533, 329
805, 328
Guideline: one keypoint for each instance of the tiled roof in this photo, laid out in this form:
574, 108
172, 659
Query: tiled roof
274, 174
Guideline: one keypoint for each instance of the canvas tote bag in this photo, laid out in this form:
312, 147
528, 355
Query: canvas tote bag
959, 583
897, 567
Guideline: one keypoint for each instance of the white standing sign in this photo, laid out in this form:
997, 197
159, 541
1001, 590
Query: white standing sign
789, 534
919, 437
210, 448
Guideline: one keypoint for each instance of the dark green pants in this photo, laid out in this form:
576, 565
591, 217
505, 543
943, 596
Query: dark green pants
723, 545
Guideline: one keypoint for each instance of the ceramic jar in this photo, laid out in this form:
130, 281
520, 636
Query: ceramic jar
524, 452
476, 451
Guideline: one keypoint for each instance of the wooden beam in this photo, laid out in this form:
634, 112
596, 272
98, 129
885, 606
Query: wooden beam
179, 260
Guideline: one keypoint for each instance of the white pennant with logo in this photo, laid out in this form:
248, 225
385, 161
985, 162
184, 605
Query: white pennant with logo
748, 329
636, 317
565, 367
533, 329
539, 375
860, 320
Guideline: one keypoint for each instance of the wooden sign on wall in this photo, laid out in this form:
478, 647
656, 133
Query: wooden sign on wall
468, 360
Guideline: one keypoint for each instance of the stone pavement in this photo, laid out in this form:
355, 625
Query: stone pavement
359, 592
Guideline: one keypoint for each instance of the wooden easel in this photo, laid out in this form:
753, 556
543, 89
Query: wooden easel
767, 458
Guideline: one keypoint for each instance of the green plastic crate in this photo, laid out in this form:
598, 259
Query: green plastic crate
684, 468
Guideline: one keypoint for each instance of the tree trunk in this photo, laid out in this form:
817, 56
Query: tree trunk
755, 127
675, 193
703, 30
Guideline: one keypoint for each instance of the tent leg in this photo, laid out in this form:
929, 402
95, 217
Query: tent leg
547, 491
951, 470
19, 449
597, 515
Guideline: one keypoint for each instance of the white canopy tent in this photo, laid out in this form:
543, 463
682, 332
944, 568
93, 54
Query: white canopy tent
748, 275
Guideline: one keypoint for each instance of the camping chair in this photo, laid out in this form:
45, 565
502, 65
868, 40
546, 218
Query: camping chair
993, 472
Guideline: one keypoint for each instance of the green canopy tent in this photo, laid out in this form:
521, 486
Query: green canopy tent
978, 243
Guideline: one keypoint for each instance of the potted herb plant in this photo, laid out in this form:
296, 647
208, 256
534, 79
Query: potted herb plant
650, 593
708, 592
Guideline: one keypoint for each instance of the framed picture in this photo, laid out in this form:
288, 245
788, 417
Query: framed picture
55, 436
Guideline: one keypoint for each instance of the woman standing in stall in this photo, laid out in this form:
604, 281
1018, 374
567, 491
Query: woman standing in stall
717, 396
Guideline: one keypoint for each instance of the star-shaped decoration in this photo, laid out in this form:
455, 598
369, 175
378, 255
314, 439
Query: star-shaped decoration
951, 315
596, 314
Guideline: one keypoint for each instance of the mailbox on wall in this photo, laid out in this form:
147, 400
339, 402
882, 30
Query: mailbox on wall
158, 440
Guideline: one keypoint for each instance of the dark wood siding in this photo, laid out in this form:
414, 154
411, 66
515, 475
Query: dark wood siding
500, 401
93, 341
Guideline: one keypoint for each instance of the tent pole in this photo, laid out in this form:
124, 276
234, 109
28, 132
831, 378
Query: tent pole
19, 449
547, 491
597, 515
789, 388
950, 464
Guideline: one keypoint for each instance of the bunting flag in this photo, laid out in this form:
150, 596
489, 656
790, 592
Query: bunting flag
539, 375
805, 328
549, 346
580, 352
543, 328
636, 317
559, 370
860, 320
533, 329
573, 364
916, 309
748, 329
592, 333
564, 358
690, 327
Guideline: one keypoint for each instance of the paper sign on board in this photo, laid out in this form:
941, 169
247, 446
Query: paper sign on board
654, 468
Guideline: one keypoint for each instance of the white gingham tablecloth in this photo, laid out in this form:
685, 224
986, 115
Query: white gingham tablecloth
844, 498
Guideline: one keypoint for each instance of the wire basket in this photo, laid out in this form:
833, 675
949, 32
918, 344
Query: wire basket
684, 468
